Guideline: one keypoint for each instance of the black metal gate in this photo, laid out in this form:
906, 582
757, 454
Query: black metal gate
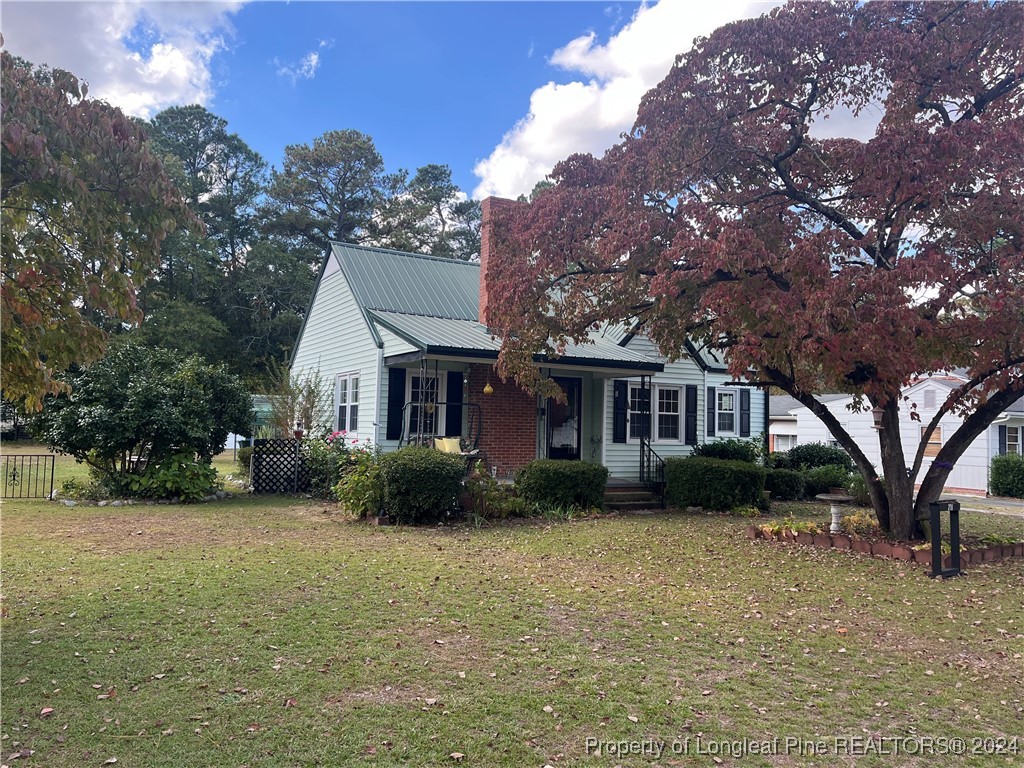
278, 466
28, 476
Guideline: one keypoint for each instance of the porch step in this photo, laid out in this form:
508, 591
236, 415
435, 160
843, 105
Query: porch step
629, 499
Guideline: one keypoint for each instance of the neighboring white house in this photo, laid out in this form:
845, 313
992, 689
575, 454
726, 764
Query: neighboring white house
793, 424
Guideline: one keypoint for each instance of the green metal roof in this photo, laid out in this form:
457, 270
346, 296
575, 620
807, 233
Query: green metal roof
410, 283
469, 338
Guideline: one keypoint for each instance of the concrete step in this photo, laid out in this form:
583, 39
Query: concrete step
639, 494
632, 506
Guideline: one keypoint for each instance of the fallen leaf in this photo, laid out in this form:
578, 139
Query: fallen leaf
110, 761
46, 711
290, 703
633, 719
456, 756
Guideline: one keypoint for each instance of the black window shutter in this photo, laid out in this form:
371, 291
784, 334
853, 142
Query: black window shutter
620, 404
453, 411
744, 413
1002, 440
396, 401
709, 425
690, 434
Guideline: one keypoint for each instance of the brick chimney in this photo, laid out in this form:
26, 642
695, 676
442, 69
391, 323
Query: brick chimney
489, 207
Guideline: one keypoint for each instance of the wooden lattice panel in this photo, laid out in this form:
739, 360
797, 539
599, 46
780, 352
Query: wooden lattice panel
278, 467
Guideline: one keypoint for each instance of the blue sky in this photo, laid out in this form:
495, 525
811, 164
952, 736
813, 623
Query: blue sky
499, 91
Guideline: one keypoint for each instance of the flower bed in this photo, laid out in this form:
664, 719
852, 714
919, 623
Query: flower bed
895, 550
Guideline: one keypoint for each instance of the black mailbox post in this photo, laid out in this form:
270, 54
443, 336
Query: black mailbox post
953, 507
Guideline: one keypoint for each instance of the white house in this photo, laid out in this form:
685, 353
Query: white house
404, 340
792, 423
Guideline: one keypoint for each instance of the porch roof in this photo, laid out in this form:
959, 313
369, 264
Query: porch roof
441, 336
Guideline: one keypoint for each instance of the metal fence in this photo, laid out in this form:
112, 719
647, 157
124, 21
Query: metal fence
278, 467
28, 476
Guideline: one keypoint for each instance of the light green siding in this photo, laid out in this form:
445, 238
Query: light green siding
623, 459
336, 339
758, 405
394, 344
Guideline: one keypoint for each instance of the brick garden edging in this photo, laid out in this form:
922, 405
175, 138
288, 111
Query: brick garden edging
888, 549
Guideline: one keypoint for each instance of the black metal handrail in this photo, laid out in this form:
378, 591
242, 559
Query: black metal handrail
474, 425
652, 470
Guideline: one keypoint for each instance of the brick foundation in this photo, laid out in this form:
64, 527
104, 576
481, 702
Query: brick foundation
509, 432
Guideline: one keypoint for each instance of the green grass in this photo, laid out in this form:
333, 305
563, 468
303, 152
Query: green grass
265, 632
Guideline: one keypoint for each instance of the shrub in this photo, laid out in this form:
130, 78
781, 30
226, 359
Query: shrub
785, 484
820, 479
812, 455
1007, 478
779, 460
137, 407
491, 500
860, 524
858, 488
179, 475
421, 485
244, 458
558, 483
325, 459
361, 487
713, 483
730, 450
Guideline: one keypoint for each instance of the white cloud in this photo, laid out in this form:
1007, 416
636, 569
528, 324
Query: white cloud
588, 115
305, 69
142, 57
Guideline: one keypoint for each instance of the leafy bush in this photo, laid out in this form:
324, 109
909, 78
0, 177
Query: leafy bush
820, 479
361, 487
421, 485
785, 484
1007, 478
179, 475
779, 460
558, 483
137, 407
491, 500
326, 459
745, 511
860, 524
812, 455
713, 483
858, 488
244, 459
730, 450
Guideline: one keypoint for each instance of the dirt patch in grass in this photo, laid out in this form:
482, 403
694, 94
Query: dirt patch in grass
385, 695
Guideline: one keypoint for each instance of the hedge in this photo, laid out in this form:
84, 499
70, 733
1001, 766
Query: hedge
812, 455
785, 484
421, 485
731, 450
820, 479
558, 483
713, 483
1007, 478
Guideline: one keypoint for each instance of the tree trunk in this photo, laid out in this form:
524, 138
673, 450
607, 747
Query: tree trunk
899, 486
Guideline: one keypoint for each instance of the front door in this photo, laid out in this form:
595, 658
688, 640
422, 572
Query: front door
564, 420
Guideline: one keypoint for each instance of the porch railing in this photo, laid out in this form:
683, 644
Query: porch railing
652, 470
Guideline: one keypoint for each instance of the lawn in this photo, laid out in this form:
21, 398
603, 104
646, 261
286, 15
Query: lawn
274, 632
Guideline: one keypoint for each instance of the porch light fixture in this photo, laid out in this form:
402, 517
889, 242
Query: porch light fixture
876, 417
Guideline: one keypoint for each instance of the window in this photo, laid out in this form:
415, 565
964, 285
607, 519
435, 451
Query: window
726, 411
639, 412
934, 442
785, 442
668, 413
1013, 440
429, 422
346, 402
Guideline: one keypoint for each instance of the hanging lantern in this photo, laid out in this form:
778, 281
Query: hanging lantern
488, 389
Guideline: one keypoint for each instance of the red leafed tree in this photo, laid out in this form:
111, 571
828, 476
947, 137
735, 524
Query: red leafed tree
819, 264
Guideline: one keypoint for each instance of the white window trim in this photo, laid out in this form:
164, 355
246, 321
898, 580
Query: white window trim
1019, 432
442, 396
347, 376
656, 412
735, 431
